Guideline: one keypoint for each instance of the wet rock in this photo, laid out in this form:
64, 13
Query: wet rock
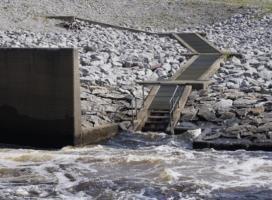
194, 133
241, 130
233, 131
187, 126
259, 138
125, 125
265, 128
269, 135
241, 113
207, 113
268, 106
231, 122
227, 115
267, 117
189, 114
244, 102
256, 111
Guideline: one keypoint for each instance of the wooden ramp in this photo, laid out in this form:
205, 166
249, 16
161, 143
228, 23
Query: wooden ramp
196, 43
201, 69
162, 107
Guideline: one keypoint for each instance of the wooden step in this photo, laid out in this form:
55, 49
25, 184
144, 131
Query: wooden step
155, 128
157, 122
159, 113
158, 117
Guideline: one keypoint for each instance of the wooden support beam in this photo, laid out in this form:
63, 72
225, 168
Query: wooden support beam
196, 84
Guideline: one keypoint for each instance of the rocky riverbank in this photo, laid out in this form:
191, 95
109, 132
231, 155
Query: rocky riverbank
236, 105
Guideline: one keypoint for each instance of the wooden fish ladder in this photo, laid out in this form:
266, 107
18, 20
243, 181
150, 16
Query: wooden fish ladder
163, 105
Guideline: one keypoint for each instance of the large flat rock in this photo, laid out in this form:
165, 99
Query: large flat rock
232, 144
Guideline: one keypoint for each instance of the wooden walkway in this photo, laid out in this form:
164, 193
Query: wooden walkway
162, 107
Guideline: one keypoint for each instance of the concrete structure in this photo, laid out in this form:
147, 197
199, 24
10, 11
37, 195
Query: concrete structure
39, 97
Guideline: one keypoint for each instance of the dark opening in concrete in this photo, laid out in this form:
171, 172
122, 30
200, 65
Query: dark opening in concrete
39, 97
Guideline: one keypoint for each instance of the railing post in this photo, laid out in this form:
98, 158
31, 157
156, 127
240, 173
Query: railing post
172, 104
136, 108
132, 116
143, 94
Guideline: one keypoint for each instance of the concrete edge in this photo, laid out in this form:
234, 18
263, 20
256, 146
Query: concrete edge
76, 98
98, 134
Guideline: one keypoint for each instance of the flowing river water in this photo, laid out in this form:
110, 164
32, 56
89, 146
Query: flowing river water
135, 166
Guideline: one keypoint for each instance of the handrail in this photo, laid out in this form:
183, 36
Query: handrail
134, 111
172, 106
171, 100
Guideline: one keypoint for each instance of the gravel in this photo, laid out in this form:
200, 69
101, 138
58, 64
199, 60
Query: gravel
156, 14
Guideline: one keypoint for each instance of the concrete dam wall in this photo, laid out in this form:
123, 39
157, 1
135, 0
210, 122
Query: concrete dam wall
39, 97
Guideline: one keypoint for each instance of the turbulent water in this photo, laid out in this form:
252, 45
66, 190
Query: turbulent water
135, 166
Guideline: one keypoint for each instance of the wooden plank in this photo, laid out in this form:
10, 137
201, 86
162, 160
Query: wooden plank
198, 67
162, 98
198, 43
209, 43
196, 84
173, 82
212, 69
184, 67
